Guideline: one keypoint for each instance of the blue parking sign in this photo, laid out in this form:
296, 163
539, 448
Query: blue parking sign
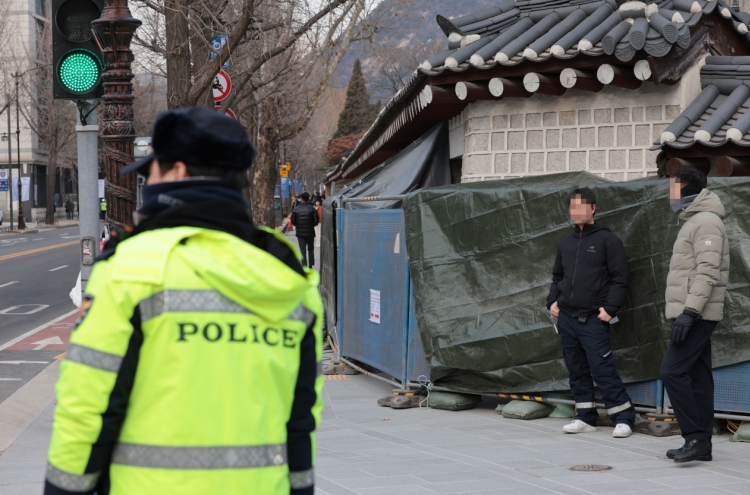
217, 44
3, 184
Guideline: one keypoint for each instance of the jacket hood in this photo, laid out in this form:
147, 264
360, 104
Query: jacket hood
588, 229
247, 275
706, 201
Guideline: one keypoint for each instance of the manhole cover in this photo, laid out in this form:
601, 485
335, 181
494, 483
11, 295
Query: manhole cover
590, 467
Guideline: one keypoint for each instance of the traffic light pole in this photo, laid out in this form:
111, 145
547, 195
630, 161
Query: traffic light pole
21, 221
87, 131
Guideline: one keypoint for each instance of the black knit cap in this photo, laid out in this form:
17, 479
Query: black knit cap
200, 137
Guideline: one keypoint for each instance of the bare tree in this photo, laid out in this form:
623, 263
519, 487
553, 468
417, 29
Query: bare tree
52, 121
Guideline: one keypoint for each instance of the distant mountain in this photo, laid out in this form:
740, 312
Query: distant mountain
406, 35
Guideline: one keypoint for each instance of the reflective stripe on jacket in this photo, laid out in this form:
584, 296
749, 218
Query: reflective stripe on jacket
194, 371
699, 269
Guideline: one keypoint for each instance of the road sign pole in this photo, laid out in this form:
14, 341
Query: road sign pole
88, 180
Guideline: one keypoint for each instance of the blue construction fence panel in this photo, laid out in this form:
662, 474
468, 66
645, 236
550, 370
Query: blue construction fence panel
416, 368
731, 389
648, 393
373, 289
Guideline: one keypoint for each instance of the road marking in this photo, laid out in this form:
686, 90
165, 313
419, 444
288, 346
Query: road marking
10, 379
50, 341
9, 283
37, 250
36, 330
24, 362
39, 239
39, 307
59, 268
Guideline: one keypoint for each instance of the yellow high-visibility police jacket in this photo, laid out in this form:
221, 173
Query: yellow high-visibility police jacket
194, 370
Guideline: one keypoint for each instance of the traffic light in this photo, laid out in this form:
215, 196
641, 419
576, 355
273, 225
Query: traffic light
76, 57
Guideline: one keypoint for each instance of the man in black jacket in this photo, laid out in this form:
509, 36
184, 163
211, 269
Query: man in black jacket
589, 284
304, 219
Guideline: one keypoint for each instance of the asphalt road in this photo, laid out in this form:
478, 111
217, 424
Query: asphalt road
37, 272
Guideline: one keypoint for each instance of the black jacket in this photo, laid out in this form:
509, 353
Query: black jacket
590, 272
304, 219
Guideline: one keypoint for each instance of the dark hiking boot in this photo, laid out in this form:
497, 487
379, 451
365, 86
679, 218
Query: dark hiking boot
694, 450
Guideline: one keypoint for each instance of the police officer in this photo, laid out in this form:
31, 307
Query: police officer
696, 285
194, 368
103, 209
589, 284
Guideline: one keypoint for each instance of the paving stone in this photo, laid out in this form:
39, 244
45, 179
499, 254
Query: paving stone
516, 140
498, 141
479, 142
479, 124
500, 122
617, 159
588, 137
570, 138
602, 115
556, 161
584, 117
478, 164
655, 113
577, 160
534, 140
606, 137
553, 138
568, 117
536, 162
624, 135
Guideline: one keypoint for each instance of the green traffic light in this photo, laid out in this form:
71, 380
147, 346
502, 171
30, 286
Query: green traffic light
79, 71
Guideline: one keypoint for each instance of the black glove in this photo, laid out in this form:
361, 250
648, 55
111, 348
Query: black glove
682, 325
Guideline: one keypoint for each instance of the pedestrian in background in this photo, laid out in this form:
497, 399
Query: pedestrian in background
589, 285
304, 219
696, 285
319, 210
194, 368
103, 208
69, 208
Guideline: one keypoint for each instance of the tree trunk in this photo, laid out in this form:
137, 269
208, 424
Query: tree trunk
178, 54
265, 173
49, 215
200, 51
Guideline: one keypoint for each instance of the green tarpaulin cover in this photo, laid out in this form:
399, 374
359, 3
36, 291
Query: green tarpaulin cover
481, 257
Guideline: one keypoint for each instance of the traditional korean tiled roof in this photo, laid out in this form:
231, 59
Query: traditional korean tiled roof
533, 32
720, 113
538, 30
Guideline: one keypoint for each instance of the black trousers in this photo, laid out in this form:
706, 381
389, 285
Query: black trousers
688, 377
307, 248
588, 354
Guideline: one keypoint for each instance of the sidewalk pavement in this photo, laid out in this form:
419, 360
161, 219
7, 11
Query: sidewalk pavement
365, 449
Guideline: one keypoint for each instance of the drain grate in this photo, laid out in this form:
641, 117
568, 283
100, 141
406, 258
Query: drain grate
590, 467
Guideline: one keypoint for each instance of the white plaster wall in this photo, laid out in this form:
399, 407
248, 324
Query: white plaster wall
608, 133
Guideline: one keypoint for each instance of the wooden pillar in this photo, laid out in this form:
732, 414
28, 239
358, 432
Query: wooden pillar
701, 164
727, 166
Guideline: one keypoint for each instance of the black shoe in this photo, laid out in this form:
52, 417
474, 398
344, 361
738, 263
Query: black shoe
693, 451
671, 453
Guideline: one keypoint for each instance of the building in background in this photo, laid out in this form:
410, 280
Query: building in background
26, 24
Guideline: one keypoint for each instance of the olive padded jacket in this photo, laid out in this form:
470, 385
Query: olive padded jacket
699, 270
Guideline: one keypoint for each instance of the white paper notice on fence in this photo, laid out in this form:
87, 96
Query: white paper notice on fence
375, 306
101, 188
